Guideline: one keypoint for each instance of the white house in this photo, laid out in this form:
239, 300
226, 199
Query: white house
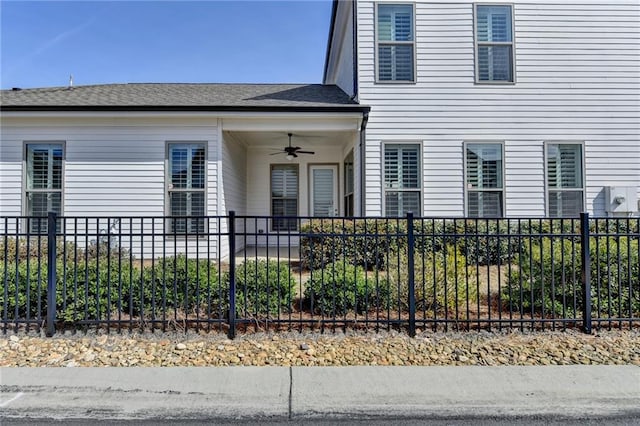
445, 108
517, 109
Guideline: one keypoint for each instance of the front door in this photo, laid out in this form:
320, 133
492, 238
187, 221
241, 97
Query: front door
323, 182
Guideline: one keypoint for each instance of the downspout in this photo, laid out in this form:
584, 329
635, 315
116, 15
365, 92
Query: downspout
363, 141
354, 26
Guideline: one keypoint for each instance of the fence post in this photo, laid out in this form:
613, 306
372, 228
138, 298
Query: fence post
232, 274
411, 275
585, 257
51, 273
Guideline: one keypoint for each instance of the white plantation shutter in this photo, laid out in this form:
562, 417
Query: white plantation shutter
484, 180
402, 178
43, 183
186, 187
395, 42
323, 185
494, 39
565, 180
284, 195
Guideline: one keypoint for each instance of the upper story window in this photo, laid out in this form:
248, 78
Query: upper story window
43, 184
186, 188
402, 179
565, 182
395, 43
484, 179
494, 44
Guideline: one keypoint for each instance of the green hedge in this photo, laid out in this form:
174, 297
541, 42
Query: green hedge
341, 287
95, 290
264, 288
442, 281
548, 278
371, 243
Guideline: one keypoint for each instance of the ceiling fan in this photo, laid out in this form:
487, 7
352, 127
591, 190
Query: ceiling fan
292, 151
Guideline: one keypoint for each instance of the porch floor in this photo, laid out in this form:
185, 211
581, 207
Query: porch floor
279, 254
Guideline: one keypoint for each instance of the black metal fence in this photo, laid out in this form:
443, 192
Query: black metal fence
237, 274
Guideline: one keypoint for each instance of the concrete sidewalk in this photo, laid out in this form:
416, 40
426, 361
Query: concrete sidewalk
311, 392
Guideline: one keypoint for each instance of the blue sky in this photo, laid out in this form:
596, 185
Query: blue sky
43, 42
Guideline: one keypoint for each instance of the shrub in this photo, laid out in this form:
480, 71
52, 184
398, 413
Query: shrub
442, 281
341, 287
87, 291
364, 242
177, 284
94, 290
264, 288
548, 278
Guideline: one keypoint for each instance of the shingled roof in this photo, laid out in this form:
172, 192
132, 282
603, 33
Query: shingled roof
181, 97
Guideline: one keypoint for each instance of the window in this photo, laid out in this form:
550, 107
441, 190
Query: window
395, 42
43, 185
565, 183
494, 44
284, 196
402, 179
484, 180
186, 189
349, 184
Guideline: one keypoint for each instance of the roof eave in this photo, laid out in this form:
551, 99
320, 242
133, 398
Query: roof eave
185, 108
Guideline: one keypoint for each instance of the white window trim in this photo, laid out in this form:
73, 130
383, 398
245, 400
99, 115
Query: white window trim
546, 174
284, 231
419, 190
25, 154
167, 177
377, 43
464, 175
476, 43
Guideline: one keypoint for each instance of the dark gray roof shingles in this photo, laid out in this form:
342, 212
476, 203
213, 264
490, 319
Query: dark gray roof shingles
178, 96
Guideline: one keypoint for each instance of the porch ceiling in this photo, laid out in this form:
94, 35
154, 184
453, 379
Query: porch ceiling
280, 139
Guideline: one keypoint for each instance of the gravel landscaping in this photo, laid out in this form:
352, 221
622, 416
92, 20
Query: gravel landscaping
288, 349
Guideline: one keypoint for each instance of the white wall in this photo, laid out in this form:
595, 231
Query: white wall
578, 79
340, 70
113, 166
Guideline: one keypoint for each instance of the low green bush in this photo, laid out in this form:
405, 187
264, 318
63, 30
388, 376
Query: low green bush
341, 287
364, 242
442, 281
547, 278
264, 288
95, 290
178, 284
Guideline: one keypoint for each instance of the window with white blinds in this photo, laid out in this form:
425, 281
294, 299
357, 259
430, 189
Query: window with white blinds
43, 185
349, 185
402, 179
494, 44
565, 182
284, 196
395, 42
484, 180
186, 187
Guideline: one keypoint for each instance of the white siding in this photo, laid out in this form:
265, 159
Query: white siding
577, 79
113, 167
340, 69
234, 184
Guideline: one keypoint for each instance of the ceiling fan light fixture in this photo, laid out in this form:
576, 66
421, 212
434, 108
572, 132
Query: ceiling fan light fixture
289, 157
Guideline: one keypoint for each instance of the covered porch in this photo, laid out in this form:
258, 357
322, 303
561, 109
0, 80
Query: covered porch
302, 166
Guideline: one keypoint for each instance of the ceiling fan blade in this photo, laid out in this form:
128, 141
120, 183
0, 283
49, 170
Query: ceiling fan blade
305, 152
278, 153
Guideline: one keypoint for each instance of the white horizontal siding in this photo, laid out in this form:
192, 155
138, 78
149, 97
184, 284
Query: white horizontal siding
577, 79
340, 66
110, 168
